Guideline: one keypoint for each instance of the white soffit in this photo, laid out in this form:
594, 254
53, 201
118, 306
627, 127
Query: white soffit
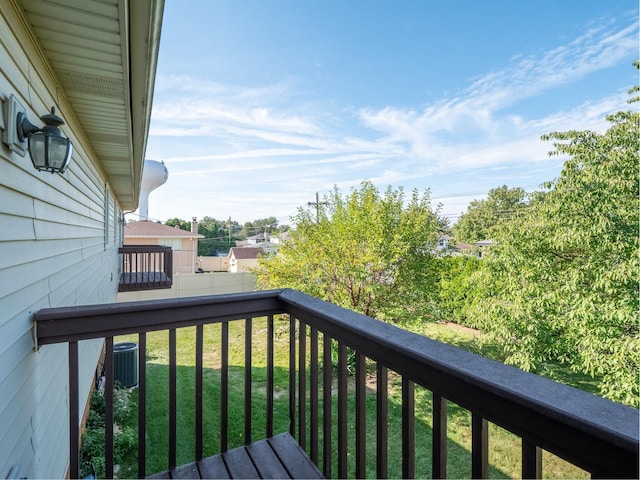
108, 82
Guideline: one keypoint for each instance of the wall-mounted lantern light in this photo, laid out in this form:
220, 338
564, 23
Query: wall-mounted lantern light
48, 149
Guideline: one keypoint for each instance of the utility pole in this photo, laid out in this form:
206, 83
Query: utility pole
317, 204
229, 230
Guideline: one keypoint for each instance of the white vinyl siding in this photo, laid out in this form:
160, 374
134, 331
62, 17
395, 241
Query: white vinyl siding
58, 247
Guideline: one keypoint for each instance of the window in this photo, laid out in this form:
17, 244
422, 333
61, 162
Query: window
174, 243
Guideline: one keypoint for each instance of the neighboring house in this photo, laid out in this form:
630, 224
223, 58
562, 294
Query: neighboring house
443, 242
281, 238
95, 62
462, 248
447, 245
242, 259
482, 247
258, 239
183, 243
265, 241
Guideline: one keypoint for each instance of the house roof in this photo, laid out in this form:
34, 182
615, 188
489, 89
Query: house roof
463, 246
245, 253
104, 55
147, 229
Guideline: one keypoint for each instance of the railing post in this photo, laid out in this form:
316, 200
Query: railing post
224, 387
439, 439
108, 408
479, 446
74, 417
361, 418
247, 380
142, 405
292, 376
408, 429
270, 376
531, 460
382, 417
327, 398
313, 396
302, 385
173, 409
198, 392
342, 410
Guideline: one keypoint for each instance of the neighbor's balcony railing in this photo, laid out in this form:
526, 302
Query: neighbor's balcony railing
595, 434
145, 267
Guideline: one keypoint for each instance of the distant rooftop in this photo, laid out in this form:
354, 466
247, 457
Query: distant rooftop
147, 229
245, 253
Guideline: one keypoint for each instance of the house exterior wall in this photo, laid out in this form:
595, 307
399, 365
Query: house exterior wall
242, 264
184, 259
58, 247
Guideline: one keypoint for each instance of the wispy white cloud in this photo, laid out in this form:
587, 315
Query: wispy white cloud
292, 149
479, 112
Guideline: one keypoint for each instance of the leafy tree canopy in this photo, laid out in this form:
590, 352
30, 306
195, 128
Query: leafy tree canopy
484, 216
562, 281
369, 252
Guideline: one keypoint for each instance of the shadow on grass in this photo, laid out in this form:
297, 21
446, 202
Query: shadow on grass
459, 456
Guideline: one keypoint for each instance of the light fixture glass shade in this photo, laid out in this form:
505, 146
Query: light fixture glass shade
50, 152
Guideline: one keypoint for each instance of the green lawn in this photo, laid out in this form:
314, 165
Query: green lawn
505, 450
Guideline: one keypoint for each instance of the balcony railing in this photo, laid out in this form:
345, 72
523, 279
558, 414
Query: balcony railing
590, 432
145, 267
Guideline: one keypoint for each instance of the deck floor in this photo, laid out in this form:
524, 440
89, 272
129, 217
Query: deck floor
276, 457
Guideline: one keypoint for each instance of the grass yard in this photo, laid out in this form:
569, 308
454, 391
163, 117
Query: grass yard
505, 448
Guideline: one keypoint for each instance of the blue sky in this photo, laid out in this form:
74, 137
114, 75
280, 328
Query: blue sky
260, 104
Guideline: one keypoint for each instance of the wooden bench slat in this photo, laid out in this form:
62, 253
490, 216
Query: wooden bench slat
186, 471
160, 475
239, 464
266, 461
213, 467
293, 457
277, 457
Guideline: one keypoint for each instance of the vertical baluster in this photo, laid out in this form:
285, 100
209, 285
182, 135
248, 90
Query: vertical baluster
361, 418
302, 385
382, 417
292, 376
224, 387
342, 411
531, 460
313, 396
439, 439
74, 413
479, 446
198, 399
270, 378
142, 405
408, 429
108, 409
173, 390
248, 334
327, 380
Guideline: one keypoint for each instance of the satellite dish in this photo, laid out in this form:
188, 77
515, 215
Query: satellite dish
154, 174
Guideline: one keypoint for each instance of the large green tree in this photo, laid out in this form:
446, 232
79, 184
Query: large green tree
561, 283
484, 216
366, 251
